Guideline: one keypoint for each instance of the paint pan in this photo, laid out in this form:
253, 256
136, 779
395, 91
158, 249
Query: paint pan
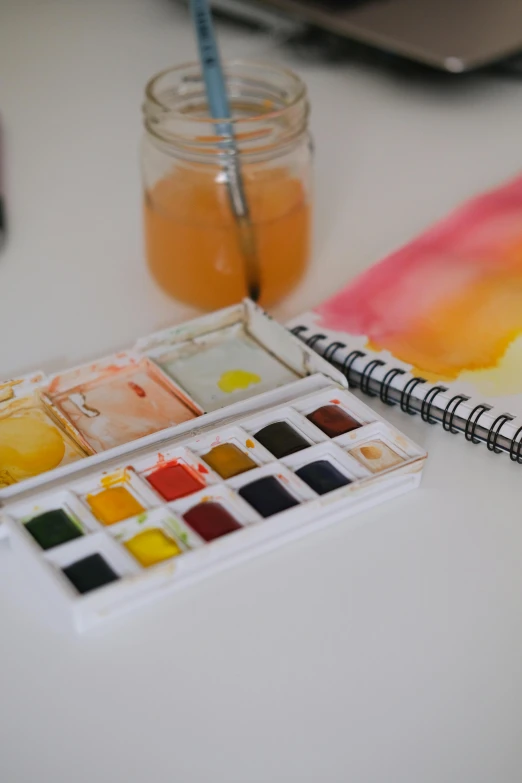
175, 480
283, 432
268, 496
326, 467
116, 401
224, 367
57, 519
211, 520
114, 504
152, 546
232, 452
90, 573
322, 476
117, 496
214, 512
333, 420
53, 528
271, 489
154, 538
281, 439
228, 460
31, 443
175, 473
92, 567
376, 455
334, 414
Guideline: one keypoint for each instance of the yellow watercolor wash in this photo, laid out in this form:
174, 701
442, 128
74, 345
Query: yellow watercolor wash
470, 332
234, 380
29, 446
152, 546
505, 378
113, 505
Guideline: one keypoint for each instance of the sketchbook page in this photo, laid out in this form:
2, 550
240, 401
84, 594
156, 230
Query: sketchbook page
447, 306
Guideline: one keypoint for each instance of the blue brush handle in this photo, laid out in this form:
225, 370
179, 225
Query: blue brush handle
211, 63
219, 106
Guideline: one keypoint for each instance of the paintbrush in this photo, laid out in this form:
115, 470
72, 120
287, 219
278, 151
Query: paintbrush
220, 109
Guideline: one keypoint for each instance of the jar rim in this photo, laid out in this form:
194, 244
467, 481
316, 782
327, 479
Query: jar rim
300, 91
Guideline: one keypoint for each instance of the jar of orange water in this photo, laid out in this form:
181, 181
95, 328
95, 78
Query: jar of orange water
191, 236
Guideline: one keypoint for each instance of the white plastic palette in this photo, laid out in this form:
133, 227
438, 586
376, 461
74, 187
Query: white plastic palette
171, 382
179, 521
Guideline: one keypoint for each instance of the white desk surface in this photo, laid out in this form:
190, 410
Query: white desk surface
388, 653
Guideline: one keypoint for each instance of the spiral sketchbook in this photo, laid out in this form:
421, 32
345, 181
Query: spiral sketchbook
436, 327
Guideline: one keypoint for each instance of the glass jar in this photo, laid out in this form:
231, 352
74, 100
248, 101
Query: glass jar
191, 236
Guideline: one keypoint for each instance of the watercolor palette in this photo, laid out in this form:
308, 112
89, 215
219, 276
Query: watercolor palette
167, 383
111, 536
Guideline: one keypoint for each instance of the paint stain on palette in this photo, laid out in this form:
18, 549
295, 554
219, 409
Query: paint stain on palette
120, 404
31, 444
234, 380
224, 367
376, 456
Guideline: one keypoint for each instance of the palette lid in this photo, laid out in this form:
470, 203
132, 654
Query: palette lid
190, 330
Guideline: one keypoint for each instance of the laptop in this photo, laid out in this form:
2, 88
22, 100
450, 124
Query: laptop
453, 35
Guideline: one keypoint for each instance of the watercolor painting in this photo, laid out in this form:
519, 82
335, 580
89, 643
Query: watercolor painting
449, 304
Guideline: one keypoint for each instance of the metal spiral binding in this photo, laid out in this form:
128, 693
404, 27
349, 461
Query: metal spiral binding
347, 364
407, 392
297, 330
471, 423
448, 416
366, 376
314, 339
515, 451
331, 349
386, 383
494, 431
427, 401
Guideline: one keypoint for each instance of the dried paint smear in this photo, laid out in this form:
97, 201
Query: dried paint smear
122, 405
